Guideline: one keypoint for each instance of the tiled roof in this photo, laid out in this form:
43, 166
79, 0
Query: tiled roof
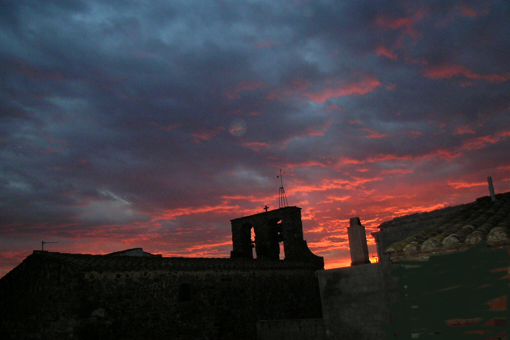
105, 263
455, 228
131, 252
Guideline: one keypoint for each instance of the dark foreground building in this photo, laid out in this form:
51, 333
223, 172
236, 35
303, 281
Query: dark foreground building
136, 295
441, 274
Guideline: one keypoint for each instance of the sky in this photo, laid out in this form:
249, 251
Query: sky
152, 124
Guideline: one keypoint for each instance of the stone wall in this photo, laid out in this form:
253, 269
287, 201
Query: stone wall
51, 300
40, 300
356, 301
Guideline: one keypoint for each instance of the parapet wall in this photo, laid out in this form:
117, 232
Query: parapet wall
356, 300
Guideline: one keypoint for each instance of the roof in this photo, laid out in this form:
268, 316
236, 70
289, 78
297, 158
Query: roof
131, 252
455, 228
108, 263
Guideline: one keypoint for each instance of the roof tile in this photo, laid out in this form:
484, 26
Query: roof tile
455, 228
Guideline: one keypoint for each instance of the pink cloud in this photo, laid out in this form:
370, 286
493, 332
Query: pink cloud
365, 85
373, 134
396, 172
233, 93
59, 142
207, 249
447, 71
293, 88
266, 44
256, 144
481, 142
330, 184
469, 12
307, 164
164, 127
37, 73
207, 135
462, 185
404, 23
399, 211
461, 130
362, 169
332, 108
412, 134
357, 121
466, 11
384, 51
320, 131
338, 198
327, 89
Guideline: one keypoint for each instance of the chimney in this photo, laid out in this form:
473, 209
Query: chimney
357, 242
491, 189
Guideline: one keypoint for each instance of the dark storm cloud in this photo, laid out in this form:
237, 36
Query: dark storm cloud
157, 121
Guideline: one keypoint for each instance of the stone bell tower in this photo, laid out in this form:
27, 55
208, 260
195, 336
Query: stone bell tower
271, 228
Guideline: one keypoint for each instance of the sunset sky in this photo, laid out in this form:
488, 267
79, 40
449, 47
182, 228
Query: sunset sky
151, 124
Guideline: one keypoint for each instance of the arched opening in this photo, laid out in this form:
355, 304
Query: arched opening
252, 240
280, 239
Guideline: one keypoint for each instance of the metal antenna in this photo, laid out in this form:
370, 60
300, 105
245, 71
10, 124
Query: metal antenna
282, 198
43, 243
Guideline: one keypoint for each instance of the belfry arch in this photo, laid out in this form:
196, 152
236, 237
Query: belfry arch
270, 228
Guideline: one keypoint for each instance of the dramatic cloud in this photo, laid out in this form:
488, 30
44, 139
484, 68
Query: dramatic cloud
140, 124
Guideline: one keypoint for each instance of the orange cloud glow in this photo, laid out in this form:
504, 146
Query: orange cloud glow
338, 264
399, 211
333, 184
462, 185
171, 214
204, 250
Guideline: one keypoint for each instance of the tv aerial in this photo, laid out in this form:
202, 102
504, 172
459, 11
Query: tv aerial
43, 243
282, 198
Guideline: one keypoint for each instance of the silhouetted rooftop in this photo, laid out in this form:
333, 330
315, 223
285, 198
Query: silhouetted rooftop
455, 228
108, 263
